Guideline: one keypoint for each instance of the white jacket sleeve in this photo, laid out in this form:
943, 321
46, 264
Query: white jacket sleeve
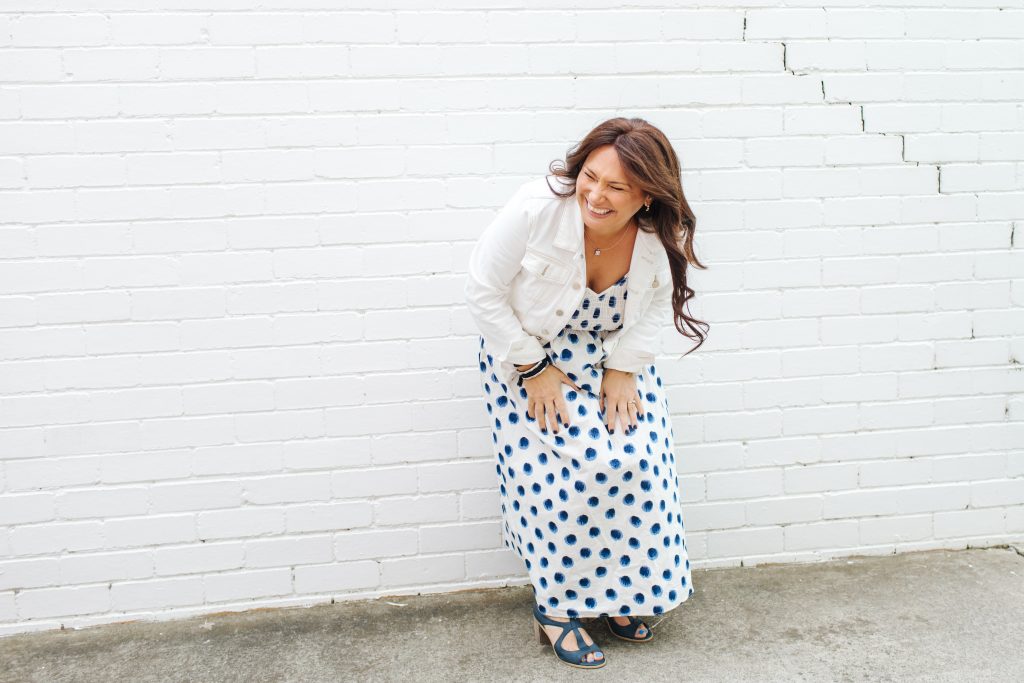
493, 263
636, 347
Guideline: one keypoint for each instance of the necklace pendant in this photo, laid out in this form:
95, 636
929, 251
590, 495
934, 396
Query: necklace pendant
597, 252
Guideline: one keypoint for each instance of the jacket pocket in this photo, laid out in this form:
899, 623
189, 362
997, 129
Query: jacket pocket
652, 282
546, 268
642, 290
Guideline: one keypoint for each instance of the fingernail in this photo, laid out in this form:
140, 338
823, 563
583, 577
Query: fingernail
566, 425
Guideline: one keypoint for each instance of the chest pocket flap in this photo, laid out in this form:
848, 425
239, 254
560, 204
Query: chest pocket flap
546, 268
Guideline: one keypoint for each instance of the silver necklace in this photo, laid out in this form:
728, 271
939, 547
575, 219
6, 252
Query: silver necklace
597, 250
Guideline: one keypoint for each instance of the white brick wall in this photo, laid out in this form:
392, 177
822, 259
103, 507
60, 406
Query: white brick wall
235, 366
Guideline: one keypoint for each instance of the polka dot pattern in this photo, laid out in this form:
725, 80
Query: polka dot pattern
595, 516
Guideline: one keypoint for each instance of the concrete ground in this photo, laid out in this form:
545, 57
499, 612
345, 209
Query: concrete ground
926, 616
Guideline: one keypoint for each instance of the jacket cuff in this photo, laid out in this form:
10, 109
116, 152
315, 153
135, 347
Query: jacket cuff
523, 350
628, 360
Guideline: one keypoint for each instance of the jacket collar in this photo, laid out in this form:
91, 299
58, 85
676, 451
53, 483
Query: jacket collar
570, 235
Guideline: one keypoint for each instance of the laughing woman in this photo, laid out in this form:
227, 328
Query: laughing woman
570, 287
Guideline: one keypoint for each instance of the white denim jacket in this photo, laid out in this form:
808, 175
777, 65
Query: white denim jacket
527, 274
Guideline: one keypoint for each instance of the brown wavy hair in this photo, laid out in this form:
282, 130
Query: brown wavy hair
650, 162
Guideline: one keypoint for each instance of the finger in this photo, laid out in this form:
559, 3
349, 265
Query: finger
563, 412
623, 411
568, 380
632, 416
550, 417
553, 416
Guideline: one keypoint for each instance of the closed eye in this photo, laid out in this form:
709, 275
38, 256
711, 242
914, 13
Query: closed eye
587, 173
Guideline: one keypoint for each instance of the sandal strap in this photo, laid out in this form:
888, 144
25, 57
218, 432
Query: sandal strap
573, 625
629, 630
565, 631
579, 654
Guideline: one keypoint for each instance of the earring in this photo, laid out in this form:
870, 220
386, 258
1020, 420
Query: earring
647, 207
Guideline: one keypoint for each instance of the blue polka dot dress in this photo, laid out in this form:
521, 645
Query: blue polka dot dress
595, 516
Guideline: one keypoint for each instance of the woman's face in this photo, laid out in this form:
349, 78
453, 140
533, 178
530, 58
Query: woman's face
607, 199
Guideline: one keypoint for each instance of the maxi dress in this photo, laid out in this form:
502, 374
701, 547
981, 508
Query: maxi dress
596, 517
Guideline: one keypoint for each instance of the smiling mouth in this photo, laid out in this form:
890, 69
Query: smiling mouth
595, 210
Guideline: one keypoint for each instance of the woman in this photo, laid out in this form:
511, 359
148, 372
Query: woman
570, 288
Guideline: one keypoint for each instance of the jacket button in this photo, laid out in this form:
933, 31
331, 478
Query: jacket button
575, 285
559, 312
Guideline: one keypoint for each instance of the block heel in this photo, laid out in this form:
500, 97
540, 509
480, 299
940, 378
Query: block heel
539, 634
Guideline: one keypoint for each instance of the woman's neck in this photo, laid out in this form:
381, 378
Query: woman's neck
606, 236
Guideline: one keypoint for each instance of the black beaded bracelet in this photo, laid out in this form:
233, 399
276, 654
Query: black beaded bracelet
536, 369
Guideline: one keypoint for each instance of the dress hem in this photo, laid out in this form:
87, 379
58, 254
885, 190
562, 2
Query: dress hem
593, 614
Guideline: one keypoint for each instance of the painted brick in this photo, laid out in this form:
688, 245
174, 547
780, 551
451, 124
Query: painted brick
235, 363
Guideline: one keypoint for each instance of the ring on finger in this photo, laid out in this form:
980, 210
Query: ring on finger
632, 426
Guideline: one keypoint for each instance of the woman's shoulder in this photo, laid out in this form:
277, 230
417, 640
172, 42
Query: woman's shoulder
543, 187
537, 194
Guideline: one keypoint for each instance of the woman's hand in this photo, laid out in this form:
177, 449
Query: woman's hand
544, 397
618, 388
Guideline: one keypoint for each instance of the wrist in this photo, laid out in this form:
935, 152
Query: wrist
534, 369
